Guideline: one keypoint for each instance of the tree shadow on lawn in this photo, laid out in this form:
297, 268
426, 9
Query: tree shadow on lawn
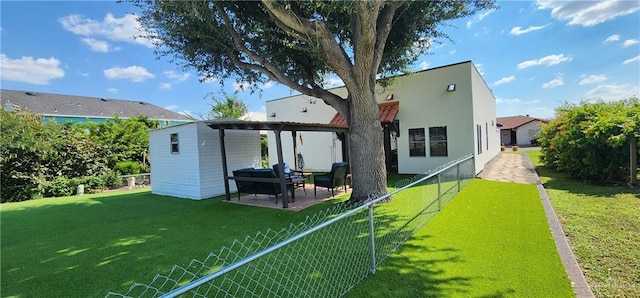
405, 274
560, 181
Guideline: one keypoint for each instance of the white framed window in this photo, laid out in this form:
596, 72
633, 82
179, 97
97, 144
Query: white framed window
175, 146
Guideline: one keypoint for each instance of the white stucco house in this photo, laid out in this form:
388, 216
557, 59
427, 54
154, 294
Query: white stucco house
519, 130
430, 117
186, 159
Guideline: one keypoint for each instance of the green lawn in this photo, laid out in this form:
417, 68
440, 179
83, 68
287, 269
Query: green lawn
491, 240
603, 227
87, 246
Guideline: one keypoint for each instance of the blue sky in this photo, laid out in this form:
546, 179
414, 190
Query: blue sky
534, 55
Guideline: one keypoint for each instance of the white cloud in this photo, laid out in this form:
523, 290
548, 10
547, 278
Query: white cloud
267, 85
113, 90
423, 65
504, 80
479, 68
38, 71
240, 86
177, 77
612, 92
519, 31
478, 18
513, 101
135, 73
547, 60
634, 59
165, 86
208, 80
588, 13
333, 82
558, 81
629, 42
612, 38
593, 79
97, 45
185, 113
126, 29
171, 107
452, 52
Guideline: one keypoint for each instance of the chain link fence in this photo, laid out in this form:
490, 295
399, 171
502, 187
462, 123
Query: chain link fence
324, 256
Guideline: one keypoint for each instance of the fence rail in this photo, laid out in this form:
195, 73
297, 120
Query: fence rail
324, 256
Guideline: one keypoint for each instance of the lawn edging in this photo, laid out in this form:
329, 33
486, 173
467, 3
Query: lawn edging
578, 281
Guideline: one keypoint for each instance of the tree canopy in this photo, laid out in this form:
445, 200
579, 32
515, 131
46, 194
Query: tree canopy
229, 107
300, 43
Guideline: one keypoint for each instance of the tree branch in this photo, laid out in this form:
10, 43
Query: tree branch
383, 28
272, 71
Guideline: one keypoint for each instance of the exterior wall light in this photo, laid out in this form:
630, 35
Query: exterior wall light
304, 110
273, 114
389, 97
451, 88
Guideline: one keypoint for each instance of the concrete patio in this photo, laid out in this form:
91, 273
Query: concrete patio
301, 202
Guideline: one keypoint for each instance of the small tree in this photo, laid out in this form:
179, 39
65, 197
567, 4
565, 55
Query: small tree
229, 107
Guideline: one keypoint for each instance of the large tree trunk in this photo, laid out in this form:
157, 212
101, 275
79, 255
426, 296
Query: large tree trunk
366, 148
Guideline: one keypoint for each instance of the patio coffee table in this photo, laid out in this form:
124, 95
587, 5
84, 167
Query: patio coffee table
300, 180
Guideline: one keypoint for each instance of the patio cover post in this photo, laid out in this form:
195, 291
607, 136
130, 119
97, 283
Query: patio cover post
223, 153
294, 134
283, 181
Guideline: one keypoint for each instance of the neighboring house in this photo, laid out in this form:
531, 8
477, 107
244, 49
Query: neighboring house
71, 108
519, 130
429, 118
186, 159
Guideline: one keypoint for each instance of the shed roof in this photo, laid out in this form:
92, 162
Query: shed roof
516, 121
50, 104
387, 111
272, 125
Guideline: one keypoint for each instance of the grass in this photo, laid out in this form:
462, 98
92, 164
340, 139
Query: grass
491, 244
491, 240
86, 246
602, 224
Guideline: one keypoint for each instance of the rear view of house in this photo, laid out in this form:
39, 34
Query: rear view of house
429, 118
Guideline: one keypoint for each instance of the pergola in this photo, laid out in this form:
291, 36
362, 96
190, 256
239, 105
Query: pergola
277, 127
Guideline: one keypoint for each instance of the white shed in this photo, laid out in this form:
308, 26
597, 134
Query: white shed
186, 161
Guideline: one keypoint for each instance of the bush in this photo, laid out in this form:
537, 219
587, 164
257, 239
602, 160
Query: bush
60, 187
128, 167
590, 141
112, 180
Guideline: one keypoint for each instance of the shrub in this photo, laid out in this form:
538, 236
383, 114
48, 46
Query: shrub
128, 167
590, 141
60, 187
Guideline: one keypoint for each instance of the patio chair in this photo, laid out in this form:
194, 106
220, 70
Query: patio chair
297, 176
335, 178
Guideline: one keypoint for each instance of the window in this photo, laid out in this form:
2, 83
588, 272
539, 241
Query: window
479, 135
438, 141
486, 132
417, 142
174, 143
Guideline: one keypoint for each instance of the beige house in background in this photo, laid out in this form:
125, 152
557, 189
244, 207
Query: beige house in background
519, 130
429, 118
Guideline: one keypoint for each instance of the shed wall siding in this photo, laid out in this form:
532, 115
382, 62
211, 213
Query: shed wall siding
175, 174
526, 132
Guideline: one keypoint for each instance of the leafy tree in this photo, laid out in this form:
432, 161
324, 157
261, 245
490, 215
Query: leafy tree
299, 43
33, 153
230, 107
590, 140
127, 139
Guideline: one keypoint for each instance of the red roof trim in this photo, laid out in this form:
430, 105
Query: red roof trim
387, 111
